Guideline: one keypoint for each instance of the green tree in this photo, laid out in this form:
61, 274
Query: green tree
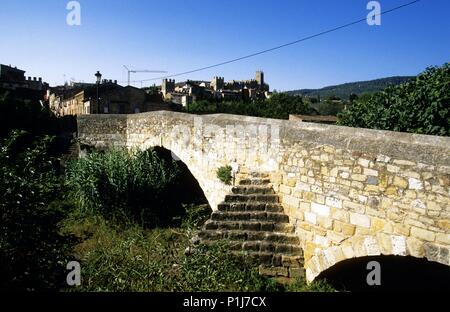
32, 253
418, 106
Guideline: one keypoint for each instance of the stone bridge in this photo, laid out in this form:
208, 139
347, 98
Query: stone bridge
348, 192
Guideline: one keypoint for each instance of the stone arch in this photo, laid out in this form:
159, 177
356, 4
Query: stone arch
387, 273
203, 172
374, 245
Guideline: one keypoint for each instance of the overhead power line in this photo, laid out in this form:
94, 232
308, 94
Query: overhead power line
281, 46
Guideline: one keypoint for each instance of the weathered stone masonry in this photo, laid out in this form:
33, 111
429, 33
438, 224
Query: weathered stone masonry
348, 192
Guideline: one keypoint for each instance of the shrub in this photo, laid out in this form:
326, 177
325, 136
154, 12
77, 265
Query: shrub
195, 216
125, 187
33, 254
30, 116
279, 105
300, 285
421, 106
224, 174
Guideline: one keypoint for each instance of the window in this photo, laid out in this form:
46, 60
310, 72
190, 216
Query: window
105, 109
137, 110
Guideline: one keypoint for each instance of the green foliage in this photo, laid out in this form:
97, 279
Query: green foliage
328, 107
215, 268
195, 216
345, 91
224, 174
418, 106
133, 259
25, 115
32, 253
124, 186
300, 285
202, 107
279, 106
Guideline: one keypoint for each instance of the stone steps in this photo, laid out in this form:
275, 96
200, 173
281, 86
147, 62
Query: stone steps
245, 198
249, 226
252, 189
258, 247
250, 236
249, 206
249, 216
253, 222
254, 181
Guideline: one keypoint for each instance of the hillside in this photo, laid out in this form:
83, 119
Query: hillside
344, 90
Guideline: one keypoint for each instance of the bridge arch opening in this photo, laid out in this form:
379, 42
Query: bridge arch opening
187, 190
397, 273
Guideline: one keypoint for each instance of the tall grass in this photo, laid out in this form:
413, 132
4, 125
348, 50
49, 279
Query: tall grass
125, 186
134, 259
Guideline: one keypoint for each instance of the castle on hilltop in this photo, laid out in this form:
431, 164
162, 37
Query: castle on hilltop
184, 93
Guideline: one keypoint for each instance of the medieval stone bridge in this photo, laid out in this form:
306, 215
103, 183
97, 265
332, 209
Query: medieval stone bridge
348, 192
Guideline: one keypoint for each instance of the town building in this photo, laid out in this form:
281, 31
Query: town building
14, 82
81, 99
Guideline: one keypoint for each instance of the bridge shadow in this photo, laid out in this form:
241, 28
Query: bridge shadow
187, 190
398, 273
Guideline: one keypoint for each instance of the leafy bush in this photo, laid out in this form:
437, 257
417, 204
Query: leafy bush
300, 285
195, 216
418, 106
32, 253
29, 116
328, 107
279, 105
125, 186
224, 174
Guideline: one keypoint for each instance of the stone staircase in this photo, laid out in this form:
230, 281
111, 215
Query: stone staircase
253, 221
72, 152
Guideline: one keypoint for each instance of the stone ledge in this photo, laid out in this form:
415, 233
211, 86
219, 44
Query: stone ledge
405, 146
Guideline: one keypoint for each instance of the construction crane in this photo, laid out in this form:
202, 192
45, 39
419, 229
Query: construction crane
141, 71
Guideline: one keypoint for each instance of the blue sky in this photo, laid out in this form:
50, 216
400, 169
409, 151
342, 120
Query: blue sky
177, 36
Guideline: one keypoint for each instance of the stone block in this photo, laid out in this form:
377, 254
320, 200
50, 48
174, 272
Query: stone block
333, 202
443, 238
320, 210
359, 177
339, 214
325, 222
415, 184
398, 245
371, 180
402, 229
364, 162
291, 201
321, 241
301, 186
370, 172
356, 207
443, 224
348, 229
372, 247
311, 217
360, 220
335, 237
423, 234
402, 162
400, 182
348, 252
285, 189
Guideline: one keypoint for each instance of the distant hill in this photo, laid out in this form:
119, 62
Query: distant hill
344, 90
